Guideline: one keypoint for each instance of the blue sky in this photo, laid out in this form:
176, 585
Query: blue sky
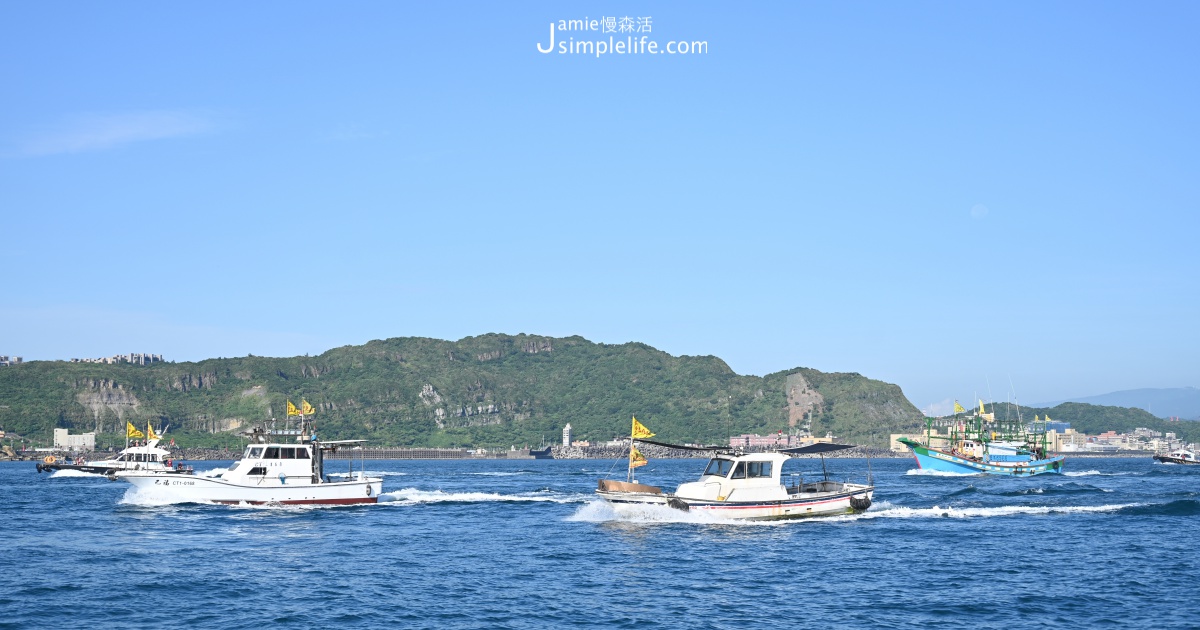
966, 199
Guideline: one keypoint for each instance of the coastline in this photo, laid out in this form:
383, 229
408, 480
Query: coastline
558, 452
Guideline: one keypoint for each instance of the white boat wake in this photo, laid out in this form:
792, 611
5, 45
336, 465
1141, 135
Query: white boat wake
71, 472
929, 472
1093, 473
412, 496
147, 497
887, 510
369, 473
599, 511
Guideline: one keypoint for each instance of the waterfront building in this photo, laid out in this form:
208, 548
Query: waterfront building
83, 442
753, 441
567, 435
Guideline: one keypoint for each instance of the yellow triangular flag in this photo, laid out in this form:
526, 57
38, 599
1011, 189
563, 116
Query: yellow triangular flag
981, 412
1047, 417
306, 408
150, 435
636, 458
132, 432
291, 409
639, 431
958, 408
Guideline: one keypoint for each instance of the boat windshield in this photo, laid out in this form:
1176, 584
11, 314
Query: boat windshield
254, 452
719, 467
752, 470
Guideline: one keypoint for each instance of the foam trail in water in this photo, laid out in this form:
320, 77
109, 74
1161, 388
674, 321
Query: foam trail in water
500, 474
886, 510
213, 472
149, 497
410, 496
369, 473
71, 472
598, 511
1093, 473
929, 472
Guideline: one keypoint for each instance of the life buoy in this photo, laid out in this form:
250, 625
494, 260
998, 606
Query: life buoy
368, 489
49, 459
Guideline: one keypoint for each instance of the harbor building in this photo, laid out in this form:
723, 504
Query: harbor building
83, 442
753, 441
7, 360
567, 435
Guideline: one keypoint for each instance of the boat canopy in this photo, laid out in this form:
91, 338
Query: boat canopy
813, 449
685, 448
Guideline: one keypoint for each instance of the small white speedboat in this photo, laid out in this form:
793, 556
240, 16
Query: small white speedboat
147, 456
1178, 456
750, 486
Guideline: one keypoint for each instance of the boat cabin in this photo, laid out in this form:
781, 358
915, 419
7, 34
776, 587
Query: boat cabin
274, 464
749, 477
1183, 455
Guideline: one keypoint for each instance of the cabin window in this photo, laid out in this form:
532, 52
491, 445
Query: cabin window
758, 469
272, 452
154, 458
287, 453
740, 471
257, 470
254, 452
718, 467
301, 453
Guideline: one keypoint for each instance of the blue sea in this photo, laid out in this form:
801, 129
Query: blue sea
524, 544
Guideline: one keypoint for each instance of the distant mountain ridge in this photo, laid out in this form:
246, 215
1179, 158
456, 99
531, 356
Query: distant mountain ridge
1175, 402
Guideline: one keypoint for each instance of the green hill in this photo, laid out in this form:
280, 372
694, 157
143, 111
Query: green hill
1096, 419
491, 390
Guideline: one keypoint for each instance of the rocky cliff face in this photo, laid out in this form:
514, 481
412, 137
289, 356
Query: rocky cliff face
103, 397
802, 399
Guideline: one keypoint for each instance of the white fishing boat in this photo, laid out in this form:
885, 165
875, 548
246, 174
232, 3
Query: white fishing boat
281, 467
145, 455
743, 485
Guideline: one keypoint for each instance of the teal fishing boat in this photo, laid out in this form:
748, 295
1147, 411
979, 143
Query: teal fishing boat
981, 445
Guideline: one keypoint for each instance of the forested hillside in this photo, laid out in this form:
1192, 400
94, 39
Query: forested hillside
491, 390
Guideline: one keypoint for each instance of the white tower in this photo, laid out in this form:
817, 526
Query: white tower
567, 435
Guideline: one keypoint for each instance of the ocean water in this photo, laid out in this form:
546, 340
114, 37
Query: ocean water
524, 544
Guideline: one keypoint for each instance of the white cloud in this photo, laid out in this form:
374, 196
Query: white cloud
95, 132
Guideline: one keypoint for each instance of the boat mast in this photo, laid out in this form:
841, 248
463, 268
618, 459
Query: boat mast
629, 467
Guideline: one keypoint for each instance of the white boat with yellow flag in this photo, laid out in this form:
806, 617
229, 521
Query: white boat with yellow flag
145, 454
284, 466
742, 485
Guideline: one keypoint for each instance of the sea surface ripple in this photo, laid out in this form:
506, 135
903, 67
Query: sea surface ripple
525, 544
